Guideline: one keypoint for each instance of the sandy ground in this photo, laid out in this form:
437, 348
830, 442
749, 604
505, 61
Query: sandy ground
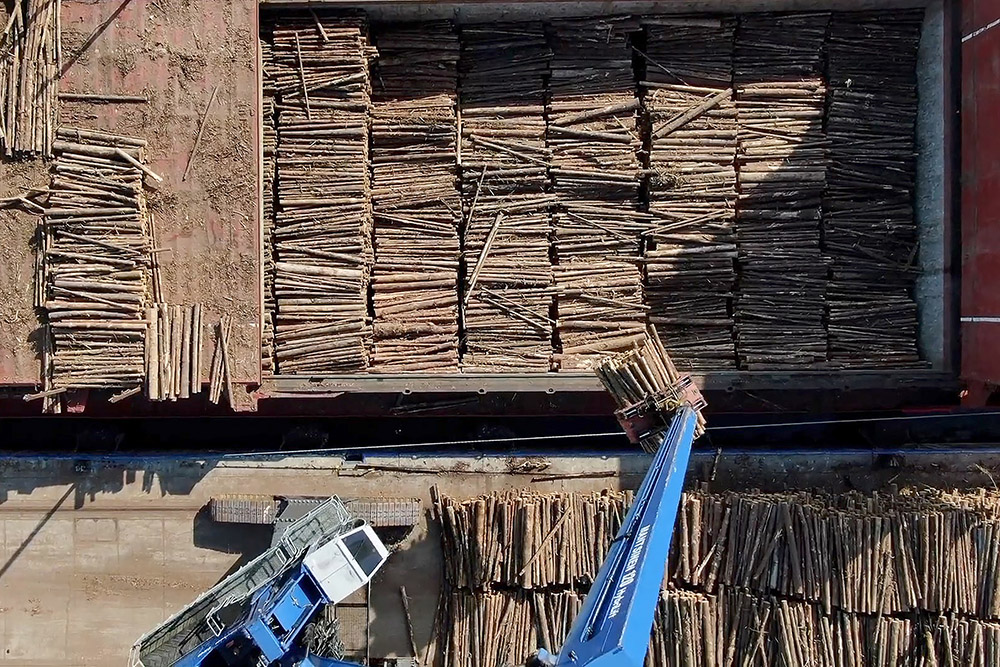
177, 52
19, 349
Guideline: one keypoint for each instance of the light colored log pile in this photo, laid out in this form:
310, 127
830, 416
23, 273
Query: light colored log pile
30, 59
415, 197
174, 345
780, 98
869, 230
791, 579
323, 221
593, 132
689, 260
507, 295
269, 142
97, 255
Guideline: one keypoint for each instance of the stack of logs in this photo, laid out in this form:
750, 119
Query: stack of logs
323, 221
269, 139
689, 259
593, 132
754, 579
416, 203
30, 60
173, 351
780, 98
504, 159
869, 230
97, 251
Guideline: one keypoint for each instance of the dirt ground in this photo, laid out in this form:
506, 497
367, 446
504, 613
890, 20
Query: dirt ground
19, 326
176, 53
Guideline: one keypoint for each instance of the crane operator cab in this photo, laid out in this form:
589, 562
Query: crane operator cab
345, 564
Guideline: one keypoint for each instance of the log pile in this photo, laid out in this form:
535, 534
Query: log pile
416, 203
593, 133
30, 59
97, 254
869, 230
780, 98
269, 139
507, 295
754, 579
174, 345
323, 220
689, 260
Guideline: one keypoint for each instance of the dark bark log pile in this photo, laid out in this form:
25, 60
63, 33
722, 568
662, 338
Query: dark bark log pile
504, 159
30, 60
689, 260
869, 229
780, 100
416, 203
594, 136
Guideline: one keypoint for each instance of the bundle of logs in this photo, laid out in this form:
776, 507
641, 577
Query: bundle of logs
730, 629
754, 579
593, 132
507, 295
96, 256
322, 229
30, 60
689, 258
173, 351
416, 202
780, 98
869, 229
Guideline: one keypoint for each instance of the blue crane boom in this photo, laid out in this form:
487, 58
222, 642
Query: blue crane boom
613, 627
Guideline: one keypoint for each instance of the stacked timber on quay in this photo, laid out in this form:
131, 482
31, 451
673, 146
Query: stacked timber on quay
528, 197
754, 579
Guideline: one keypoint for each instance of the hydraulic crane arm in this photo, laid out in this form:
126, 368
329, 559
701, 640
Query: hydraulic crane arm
613, 627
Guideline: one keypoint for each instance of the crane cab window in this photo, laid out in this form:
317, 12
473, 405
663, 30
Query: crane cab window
363, 551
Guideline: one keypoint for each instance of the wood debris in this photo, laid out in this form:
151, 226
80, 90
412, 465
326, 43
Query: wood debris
780, 99
594, 136
29, 77
870, 233
507, 296
415, 197
323, 222
97, 257
689, 259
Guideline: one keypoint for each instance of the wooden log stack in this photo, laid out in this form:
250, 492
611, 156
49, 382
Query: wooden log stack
869, 230
593, 133
507, 295
750, 594
269, 139
780, 98
689, 258
30, 59
416, 202
97, 252
323, 220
